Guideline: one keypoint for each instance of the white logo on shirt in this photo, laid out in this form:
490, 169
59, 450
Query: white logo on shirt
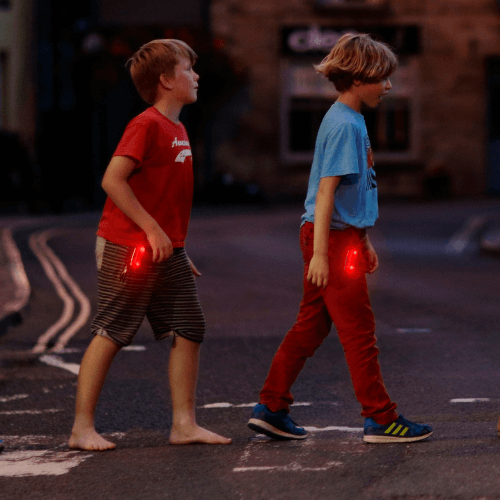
179, 143
183, 155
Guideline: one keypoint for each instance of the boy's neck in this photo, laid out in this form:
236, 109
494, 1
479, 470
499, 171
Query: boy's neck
351, 100
171, 110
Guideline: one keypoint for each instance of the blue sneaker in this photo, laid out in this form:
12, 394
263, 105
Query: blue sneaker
400, 431
276, 425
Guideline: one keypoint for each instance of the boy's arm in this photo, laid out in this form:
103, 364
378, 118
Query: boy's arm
318, 267
118, 189
371, 255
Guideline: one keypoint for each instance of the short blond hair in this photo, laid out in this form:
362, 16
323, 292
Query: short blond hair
357, 57
156, 58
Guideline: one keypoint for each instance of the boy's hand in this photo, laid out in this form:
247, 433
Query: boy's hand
318, 271
193, 268
371, 256
160, 244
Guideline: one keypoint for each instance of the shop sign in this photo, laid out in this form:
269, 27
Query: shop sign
314, 39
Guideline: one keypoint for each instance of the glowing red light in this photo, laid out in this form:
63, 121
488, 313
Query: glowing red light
351, 262
137, 257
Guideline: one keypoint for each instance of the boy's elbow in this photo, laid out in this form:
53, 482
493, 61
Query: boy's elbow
106, 184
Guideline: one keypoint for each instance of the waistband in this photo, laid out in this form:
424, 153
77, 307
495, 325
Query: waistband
361, 232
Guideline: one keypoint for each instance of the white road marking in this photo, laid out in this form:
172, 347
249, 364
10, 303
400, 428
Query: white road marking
334, 428
136, 348
58, 362
39, 462
56, 271
69, 304
23, 289
293, 467
28, 412
469, 400
413, 330
14, 398
244, 405
460, 240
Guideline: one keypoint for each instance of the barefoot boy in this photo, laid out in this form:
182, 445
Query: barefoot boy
143, 269
341, 204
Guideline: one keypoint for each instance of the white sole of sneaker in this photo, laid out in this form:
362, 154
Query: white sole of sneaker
267, 429
393, 439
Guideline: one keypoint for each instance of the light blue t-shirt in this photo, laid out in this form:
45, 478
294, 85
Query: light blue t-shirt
343, 149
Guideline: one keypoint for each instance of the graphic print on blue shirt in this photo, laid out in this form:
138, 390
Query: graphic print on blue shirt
371, 179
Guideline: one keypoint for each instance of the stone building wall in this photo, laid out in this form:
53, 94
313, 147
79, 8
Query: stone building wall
456, 37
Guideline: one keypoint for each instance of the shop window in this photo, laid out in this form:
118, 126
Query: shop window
307, 96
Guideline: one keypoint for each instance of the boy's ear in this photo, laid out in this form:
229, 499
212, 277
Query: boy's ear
165, 82
357, 83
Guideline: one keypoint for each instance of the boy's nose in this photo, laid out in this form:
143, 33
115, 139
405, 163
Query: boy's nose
388, 85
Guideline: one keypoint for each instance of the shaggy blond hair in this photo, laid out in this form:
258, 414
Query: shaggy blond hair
155, 58
357, 57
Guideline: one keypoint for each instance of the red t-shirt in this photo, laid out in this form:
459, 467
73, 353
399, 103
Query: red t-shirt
162, 181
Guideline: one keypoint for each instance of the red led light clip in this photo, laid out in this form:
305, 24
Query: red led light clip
134, 262
351, 266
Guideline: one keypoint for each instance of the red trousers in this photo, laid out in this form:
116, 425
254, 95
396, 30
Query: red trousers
346, 303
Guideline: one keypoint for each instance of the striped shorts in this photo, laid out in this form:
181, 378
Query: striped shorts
164, 292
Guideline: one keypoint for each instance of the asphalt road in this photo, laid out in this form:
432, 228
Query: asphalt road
437, 310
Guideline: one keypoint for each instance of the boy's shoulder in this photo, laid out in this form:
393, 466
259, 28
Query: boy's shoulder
340, 113
153, 121
340, 119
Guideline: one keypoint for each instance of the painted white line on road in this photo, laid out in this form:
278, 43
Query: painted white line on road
136, 348
244, 405
293, 467
14, 398
39, 462
334, 428
58, 362
58, 274
72, 350
84, 302
460, 240
18, 273
413, 330
29, 412
470, 400
69, 304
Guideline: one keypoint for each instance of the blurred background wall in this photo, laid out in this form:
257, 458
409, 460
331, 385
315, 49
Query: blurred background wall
65, 96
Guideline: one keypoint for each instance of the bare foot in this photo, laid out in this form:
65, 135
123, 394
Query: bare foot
196, 434
90, 440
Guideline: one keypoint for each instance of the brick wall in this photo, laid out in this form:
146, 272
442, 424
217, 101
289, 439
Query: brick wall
456, 36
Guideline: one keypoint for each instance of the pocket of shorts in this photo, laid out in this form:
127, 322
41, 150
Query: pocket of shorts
99, 251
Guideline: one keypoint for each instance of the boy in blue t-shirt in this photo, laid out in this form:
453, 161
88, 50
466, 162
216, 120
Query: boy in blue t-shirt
341, 204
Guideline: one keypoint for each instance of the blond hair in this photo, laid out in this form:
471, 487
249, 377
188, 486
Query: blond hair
155, 58
357, 57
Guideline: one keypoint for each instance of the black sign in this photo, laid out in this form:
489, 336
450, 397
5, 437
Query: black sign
313, 39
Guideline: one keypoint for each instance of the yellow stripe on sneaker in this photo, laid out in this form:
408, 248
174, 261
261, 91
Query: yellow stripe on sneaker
395, 433
390, 428
404, 432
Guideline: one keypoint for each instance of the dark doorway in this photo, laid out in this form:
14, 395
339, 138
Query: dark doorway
493, 113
